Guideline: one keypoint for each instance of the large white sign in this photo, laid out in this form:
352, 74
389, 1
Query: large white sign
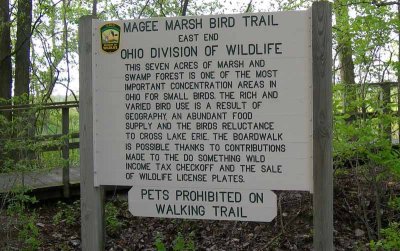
204, 104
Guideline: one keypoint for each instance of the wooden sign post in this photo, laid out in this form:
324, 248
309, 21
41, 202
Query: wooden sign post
168, 106
92, 198
322, 131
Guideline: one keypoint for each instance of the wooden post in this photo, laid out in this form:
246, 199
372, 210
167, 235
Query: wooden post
322, 122
65, 151
92, 198
386, 127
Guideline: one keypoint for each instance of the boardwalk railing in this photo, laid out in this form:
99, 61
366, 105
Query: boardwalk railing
66, 135
388, 93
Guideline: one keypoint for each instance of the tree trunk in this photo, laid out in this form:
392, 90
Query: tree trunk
22, 57
24, 125
94, 8
5, 66
345, 53
5, 54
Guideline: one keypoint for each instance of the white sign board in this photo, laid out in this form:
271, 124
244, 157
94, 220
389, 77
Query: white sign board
204, 104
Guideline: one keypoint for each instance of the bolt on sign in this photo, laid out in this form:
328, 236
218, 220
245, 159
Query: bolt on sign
203, 116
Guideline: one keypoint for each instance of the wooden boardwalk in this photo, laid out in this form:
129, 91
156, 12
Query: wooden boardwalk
47, 184
42, 180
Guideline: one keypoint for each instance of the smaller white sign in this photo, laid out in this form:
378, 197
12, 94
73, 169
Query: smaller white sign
212, 204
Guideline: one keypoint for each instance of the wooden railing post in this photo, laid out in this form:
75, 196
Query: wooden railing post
65, 152
387, 127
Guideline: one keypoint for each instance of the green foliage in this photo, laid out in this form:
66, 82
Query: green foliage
28, 232
291, 5
113, 224
159, 244
18, 200
180, 243
18, 151
363, 141
341, 172
24, 141
394, 203
390, 238
16, 145
67, 213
